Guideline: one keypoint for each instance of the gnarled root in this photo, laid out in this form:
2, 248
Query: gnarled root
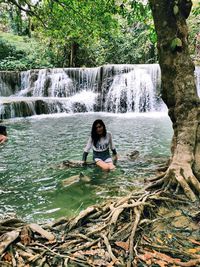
178, 176
116, 233
98, 236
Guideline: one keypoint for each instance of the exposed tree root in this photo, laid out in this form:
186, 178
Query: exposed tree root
177, 177
117, 233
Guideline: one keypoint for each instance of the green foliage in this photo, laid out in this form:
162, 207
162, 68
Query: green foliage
132, 47
175, 10
77, 20
96, 30
5, 49
75, 24
18, 53
139, 19
194, 33
176, 43
196, 8
82, 33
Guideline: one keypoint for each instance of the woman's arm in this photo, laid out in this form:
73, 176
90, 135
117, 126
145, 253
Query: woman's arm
112, 147
87, 149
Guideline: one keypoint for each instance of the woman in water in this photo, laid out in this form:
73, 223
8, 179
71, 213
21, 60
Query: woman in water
3, 134
100, 141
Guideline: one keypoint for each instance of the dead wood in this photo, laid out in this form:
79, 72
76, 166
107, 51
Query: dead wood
6, 239
120, 232
76, 164
36, 228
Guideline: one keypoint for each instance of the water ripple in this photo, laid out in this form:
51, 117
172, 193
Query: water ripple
30, 177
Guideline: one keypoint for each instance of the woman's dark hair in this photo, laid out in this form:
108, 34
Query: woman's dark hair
3, 130
94, 135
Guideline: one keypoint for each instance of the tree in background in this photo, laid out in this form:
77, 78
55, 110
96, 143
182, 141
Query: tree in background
83, 33
18, 51
136, 41
71, 25
87, 33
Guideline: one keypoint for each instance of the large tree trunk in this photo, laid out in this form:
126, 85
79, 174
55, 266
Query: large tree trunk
179, 93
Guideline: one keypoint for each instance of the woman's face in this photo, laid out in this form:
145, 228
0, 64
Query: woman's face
99, 129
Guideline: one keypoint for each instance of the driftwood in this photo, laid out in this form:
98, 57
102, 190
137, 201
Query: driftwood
36, 228
6, 239
141, 229
76, 164
132, 156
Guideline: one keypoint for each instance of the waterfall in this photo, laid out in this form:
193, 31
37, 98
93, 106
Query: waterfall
133, 91
54, 83
47, 91
109, 88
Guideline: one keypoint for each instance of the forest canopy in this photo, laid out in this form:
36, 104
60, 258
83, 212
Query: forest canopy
88, 33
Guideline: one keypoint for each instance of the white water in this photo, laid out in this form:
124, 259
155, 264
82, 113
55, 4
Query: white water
111, 88
133, 91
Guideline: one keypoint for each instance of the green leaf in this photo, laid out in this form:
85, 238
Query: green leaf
175, 10
176, 42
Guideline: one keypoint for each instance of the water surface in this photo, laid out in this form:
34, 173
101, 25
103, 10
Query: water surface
30, 179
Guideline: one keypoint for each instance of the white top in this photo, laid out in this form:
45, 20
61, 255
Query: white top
103, 144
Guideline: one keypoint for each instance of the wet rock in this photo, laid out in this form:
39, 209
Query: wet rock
75, 179
133, 155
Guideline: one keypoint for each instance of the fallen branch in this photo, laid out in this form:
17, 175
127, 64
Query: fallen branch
102, 235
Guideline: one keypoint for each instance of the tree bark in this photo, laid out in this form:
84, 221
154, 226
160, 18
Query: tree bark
73, 54
179, 93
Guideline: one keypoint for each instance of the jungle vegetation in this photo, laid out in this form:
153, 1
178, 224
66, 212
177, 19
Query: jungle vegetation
63, 33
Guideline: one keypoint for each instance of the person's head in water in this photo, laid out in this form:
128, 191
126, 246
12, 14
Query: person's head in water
3, 130
98, 130
3, 134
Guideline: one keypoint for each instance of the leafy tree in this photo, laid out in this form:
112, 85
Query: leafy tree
180, 95
88, 33
92, 33
72, 24
131, 45
17, 15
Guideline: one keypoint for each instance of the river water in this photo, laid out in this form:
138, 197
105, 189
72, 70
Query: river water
30, 176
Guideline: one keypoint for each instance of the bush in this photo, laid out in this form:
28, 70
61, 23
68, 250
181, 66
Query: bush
19, 53
6, 49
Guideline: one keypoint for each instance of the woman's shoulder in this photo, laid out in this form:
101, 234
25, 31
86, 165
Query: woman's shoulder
109, 133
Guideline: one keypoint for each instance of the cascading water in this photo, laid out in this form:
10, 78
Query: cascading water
132, 91
52, 91
110, 88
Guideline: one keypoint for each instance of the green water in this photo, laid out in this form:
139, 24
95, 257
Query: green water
30, 179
